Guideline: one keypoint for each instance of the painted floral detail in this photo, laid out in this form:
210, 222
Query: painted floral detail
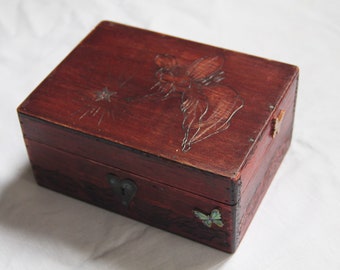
214, 217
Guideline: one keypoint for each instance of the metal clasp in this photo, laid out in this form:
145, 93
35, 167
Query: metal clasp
124, 189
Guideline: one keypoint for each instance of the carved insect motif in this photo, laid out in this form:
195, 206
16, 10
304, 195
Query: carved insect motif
214, 218
206, 105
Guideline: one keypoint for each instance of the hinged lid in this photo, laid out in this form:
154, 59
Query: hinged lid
194, 104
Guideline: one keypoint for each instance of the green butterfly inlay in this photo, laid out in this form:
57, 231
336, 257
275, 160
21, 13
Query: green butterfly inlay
208, 220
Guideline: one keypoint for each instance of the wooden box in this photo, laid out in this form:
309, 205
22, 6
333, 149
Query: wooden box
179, 135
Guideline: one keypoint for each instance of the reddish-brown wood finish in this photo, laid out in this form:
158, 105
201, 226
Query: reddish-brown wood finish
122, 59
160, 170
191, 124
156, 204
263, 162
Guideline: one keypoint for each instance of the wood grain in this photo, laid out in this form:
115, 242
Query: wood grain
192, 125
121, 59
156, 204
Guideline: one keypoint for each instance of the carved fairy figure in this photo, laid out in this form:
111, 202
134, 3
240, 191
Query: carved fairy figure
207, 106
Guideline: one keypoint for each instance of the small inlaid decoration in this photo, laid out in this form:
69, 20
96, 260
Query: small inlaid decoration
105, 94
99, 105
213, 218
206, 104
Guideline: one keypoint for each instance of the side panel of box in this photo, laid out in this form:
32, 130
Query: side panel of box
264, 161
156, 204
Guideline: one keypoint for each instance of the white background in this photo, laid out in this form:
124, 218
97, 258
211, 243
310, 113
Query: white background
298, 224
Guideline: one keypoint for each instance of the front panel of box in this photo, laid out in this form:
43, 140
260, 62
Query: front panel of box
162, 206
170, 173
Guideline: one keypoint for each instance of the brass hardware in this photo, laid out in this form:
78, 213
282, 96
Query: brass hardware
276, 124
